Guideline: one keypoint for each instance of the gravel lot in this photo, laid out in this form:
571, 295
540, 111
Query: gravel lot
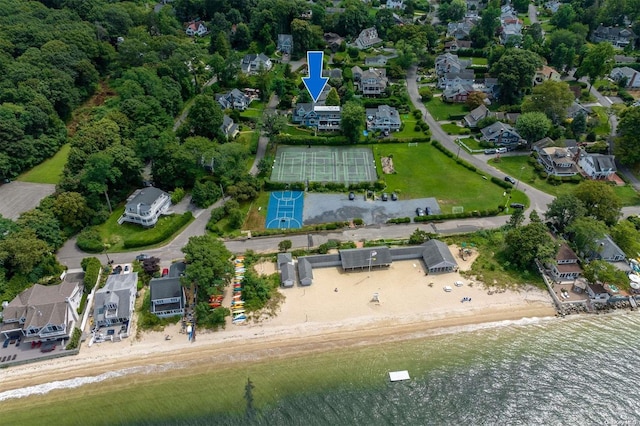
323, 208
18, 197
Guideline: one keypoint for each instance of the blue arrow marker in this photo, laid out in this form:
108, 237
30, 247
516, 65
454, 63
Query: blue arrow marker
315, 82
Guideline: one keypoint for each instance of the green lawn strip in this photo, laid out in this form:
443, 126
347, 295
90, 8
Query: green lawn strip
423, 171
114, 234
525, 19
472, 143
441, 110
454, 129
49, 171
512, 166
408, 130
603, 128
296, 131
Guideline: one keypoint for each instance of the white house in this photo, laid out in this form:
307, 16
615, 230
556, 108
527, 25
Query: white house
114, 303
368, 38
252, 63
42, 312
383, 118
596, 166
196, 28
285, 43
145, 206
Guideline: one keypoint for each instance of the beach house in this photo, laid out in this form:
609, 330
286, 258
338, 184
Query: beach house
305, 272
114, 303
145, 206
438, 258
167, 296
287, 270
566, 266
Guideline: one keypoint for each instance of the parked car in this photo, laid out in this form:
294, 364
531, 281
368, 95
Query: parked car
501, 150
48, 347
142, 257
117, 270
352, 196
394, 196
490, 151
428, 211
510, 180
6, 343
126, 268
385, 196
517, 205
419, 212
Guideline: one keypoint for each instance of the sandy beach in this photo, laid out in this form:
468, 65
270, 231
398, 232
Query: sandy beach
338, 310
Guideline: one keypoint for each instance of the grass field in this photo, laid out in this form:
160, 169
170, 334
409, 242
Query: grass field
49, 171
454, 129
407, 131
423, 171
513, 167
472, 143
441, 110
114, 234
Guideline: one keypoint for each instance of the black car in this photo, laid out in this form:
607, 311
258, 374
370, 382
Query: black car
517, 205
6, 343
352, 196
428, 211
394, 196
142, 257
419, 212
510, 180
385, 196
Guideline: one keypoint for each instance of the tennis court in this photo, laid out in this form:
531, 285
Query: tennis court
323, 164
285, 210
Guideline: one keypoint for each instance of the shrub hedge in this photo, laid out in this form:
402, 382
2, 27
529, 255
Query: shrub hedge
90, 241
145, 239
91, 267
74, 342
473, 213
399, 220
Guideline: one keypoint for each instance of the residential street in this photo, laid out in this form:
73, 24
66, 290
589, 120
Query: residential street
263, 142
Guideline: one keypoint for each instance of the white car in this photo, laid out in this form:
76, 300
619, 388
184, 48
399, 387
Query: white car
447, 288
459, 283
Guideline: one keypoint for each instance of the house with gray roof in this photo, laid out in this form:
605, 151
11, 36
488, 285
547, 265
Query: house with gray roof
323, 118
370, 82
459, 30
114, 303
253, 63
566, 265
285, 43
42, 312
450, 63
376, 61
228, 127
367, 38
305, 272
287, 271
145, 206
383, 118
455, 45
627, 74
501, 134
457, 92
235, 99
167, 296
596, 166
466, 78
365, 258
557, 161
607, 250
471, 119
438, 258
333, 40
619, 37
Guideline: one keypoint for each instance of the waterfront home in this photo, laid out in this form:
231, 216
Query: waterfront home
325, 118
167, 296
607, 250
42, 312
383, 118
145, 206
597, 292
114, 303
566, 265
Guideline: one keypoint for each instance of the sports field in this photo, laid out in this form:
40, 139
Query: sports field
285, 210
323, 164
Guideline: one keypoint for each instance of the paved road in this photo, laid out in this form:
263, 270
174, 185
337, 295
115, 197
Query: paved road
533, 13
18, 197
538, 199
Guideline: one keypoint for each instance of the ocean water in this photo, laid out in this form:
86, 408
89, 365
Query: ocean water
577, 370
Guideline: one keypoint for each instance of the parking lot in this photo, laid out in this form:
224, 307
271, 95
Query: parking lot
323, 208
19, 197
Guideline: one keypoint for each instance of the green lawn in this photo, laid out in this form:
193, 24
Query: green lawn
407, 131
513, 167
453, 129
472, 143
604, 128
547, 27
423, 171
441, 110
476, 61
296, 131
49, 171
254, 110
114, 234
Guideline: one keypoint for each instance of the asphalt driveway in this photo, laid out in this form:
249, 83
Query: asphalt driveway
18, 197
323, 208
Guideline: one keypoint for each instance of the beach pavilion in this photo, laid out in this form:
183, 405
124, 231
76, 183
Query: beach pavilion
438, 258
365, 258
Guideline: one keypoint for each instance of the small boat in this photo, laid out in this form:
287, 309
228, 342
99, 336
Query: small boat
237, 311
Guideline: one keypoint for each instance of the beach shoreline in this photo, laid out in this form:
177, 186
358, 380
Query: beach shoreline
411, 305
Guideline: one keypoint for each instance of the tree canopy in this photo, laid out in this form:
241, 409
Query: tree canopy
628, 143
515, 70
